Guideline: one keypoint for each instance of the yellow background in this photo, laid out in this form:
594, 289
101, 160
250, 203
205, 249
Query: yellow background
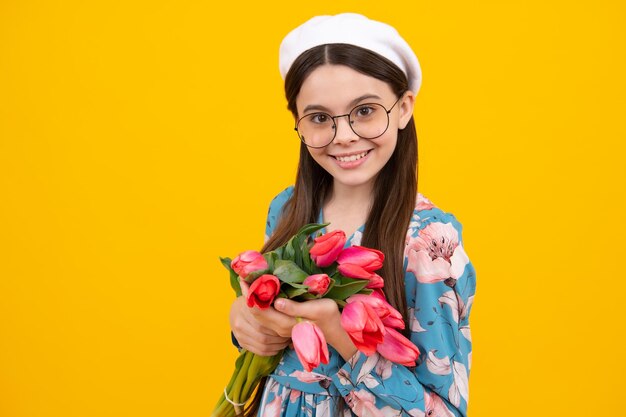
139, 141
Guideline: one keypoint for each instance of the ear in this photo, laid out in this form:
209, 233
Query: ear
407, 102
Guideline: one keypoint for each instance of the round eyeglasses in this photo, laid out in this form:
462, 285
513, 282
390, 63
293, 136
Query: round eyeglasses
367, 121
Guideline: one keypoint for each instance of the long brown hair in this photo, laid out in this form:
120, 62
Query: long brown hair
395, 187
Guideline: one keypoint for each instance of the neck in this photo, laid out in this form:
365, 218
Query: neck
349, 197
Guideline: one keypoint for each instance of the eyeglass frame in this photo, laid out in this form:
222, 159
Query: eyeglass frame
333, 118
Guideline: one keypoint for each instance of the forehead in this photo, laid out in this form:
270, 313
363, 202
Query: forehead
335, 86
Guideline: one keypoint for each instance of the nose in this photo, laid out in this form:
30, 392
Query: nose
344, 132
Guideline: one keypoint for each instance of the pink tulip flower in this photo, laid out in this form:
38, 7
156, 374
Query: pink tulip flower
363, 325
397, 348
394, 319
318, 283
354, 271
327, 247
310, 345
368, 259
389, 316
376, 281
263, 291
360, 262
247, 262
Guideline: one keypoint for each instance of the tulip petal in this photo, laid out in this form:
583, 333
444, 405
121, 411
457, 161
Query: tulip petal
376, 281
363, 326
369, 259
327, 247
353, 271
263, 291
398, 348
310, 345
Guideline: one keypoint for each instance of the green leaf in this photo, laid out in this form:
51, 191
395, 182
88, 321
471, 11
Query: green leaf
311, 228
226, 262
293, 289
294, 292
270, 258
343, 291
288, 271
296, 285
307, 296
252, 276
307, 262
289, 253
234, 278
297, 250
346, 280
316, 269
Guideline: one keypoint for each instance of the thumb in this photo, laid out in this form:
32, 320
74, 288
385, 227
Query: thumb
289, 307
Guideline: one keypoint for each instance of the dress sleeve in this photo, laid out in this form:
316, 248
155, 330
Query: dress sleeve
440, 286
275, 210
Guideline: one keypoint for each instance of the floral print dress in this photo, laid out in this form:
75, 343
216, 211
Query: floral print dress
440, 284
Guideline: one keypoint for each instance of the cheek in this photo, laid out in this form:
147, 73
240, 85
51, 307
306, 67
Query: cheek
389, 141
316, 154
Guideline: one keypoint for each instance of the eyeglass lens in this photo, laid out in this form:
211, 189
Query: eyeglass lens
368, 121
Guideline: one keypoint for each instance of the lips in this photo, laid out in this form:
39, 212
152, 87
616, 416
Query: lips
350, 157
351, 160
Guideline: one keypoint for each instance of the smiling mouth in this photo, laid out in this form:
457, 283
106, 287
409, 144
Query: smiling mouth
351, 158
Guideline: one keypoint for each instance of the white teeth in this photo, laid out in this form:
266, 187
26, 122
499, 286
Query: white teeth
351, 157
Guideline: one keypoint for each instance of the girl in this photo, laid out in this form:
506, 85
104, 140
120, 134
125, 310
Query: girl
351, 83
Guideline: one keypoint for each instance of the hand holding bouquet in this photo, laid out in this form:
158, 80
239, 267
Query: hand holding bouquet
304, 270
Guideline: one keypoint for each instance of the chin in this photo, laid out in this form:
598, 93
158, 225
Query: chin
354, 181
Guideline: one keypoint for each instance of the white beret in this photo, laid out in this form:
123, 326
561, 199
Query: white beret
354, 29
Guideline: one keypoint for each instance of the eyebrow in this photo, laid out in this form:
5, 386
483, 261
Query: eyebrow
352, 103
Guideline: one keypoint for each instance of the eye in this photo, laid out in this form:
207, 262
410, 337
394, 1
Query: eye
318, 118
364, 111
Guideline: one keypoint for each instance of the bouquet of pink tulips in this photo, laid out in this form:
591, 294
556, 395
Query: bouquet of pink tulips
305, 269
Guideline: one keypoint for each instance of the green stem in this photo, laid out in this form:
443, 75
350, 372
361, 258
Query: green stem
224, 408
235, 394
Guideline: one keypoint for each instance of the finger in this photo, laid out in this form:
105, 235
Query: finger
320, 309
259, 328
256, 346
261, 345
255, 328
290, 307
273, 318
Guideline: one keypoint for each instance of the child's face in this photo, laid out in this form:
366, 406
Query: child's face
333, 89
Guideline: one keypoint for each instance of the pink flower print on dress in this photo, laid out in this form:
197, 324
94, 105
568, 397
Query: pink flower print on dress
422, 203
436, 254
309, 377
273, 408
362, 404
435, 406
294, 395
